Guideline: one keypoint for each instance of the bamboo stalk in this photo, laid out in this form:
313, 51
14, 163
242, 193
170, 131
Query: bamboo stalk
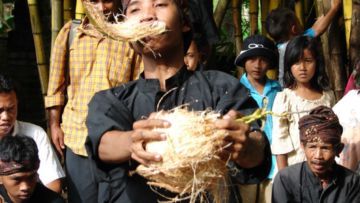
253, 13
79, 11
56, 19
333, 51
354, 50
347, 8
299, 11
220, 11
274, 4
39, 45
68, 10
265, 4
236, 8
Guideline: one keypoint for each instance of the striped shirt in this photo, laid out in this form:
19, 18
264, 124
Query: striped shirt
95, 63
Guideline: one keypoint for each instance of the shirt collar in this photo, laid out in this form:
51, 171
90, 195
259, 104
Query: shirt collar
174, 81
269, 85
15, 130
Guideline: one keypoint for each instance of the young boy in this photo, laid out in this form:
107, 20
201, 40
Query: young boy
320, 178
118, 131
19, 163
283, 25
257, 56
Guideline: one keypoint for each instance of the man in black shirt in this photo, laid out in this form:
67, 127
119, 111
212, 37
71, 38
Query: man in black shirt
19, 162
319, 179
116, 125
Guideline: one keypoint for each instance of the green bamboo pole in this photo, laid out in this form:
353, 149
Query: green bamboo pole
39, 45
347, 8
265, 5
236, 8
56, 19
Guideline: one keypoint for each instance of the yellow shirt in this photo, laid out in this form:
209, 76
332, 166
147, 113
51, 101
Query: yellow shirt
96, 63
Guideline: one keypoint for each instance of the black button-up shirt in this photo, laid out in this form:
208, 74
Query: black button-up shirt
298, 183
120, 107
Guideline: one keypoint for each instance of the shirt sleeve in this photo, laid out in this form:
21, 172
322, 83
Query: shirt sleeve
50, 168
105, 113
281, 140
237, 97
58, 65
280, 193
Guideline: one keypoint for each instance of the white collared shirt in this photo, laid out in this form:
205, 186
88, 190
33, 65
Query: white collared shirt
50, 168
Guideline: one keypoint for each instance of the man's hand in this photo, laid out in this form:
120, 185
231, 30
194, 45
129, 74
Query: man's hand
246, 149
141, 135
57, 137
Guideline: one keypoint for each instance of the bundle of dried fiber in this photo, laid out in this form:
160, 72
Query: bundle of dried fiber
191, 164
124, 30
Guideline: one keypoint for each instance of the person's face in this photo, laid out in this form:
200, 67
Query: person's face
192, 57
8, 112
107, 6
256, 67
305, 68
320, 157
145, 11
20, 186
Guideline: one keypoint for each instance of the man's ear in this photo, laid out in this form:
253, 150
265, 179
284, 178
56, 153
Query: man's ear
294, 30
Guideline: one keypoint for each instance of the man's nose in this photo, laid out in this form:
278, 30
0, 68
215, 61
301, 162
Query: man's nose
5, 115
148, 14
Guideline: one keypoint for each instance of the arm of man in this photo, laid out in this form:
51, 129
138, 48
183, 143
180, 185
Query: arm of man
323, 22
281, 160
55, 186
57, 135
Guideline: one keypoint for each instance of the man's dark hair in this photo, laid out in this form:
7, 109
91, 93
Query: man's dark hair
279, 23
19, 149
6, 84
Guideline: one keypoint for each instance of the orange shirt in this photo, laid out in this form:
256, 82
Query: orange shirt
95, 63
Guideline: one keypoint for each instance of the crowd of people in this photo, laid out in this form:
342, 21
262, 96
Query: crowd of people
102, 94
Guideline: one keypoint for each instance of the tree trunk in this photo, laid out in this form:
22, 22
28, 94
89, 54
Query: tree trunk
80, 11
39, 45
236, 8
220, 11
333, 51
254, 12
56, 19
354, 50
68, 10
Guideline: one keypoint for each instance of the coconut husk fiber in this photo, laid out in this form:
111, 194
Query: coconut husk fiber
122, 29
191, 165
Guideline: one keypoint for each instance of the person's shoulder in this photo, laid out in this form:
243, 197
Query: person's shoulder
290, 171
218, 77
347, 173
43, 194
274, 84
26, 128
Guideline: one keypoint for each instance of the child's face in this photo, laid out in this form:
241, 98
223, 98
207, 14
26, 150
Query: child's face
106, 6
304, 69
158, 10
192, 57
256, 67
21, 185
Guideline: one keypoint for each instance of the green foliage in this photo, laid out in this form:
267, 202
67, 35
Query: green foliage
6, 17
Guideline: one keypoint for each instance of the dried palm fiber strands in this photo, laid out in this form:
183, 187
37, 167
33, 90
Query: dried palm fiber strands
191, 164
122, 29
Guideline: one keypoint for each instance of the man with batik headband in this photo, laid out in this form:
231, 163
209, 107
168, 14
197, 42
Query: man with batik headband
320, 178
19, 162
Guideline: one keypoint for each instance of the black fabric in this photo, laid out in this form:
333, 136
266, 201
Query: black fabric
41, 195
81, 184
118, 108
298, 184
